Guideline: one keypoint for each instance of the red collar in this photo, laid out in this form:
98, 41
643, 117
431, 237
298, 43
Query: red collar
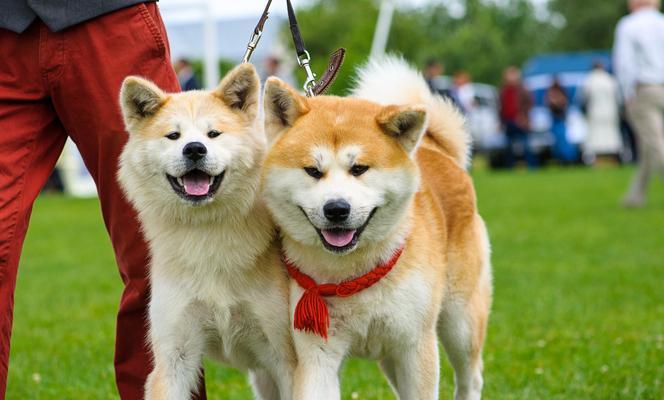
311, 313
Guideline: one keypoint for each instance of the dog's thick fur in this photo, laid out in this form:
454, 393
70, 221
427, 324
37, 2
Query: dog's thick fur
217, 287
416, 193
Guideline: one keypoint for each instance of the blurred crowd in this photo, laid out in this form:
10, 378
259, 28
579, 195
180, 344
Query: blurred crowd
622, 109
607, 134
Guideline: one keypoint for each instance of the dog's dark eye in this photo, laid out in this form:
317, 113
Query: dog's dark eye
357, 170
313, 172
213, 134
173, 135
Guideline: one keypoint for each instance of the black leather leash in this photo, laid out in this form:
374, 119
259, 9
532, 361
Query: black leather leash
303, 57
311, 87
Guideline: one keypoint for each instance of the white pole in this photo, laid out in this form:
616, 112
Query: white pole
382, 31
210, 66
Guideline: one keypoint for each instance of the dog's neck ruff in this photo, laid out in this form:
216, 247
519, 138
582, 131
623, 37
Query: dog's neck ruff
311, 313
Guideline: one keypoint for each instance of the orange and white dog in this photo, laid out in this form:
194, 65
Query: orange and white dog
381, 234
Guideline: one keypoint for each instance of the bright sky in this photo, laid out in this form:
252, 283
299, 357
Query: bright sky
235, 8
242, 8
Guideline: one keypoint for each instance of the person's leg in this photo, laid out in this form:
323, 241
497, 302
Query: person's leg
648, 121
99, 54
561, 146
636, 194
556, 139
627, 134
510, 157
658, 139
528, 155
31, 139
568, 149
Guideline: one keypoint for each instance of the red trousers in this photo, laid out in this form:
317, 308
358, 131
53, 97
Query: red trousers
55, 85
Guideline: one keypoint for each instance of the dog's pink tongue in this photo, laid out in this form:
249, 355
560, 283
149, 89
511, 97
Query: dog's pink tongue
196, 184
338, 238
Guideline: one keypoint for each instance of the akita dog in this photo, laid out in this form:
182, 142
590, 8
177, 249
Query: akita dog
379, 225
192, 168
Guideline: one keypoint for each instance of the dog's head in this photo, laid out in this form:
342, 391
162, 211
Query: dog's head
340, 173
192, 150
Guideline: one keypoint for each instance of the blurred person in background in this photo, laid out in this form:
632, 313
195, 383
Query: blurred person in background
601, 101
186, 75
433, 69
272, 66
630, 148
463, 92
61, 67
557, 101
639, 64
515, 105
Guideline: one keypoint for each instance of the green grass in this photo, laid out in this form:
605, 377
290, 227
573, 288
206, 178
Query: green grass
578, 310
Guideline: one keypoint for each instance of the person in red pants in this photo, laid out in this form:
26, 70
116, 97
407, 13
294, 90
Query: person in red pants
57, 82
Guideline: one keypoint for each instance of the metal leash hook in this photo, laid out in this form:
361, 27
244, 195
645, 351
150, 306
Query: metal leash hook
310, 82
256, 35
253, 42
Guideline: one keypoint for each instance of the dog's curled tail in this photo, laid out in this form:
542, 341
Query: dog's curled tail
391, 80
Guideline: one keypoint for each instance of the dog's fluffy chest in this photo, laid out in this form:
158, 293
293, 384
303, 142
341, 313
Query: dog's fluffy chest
381, 317
216, 276
199, 249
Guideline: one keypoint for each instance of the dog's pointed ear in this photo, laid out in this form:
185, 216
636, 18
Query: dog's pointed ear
405, 123
140, 99
239, 90
283, 106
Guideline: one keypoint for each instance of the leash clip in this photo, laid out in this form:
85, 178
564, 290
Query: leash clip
258, 32
251, 46
303, 61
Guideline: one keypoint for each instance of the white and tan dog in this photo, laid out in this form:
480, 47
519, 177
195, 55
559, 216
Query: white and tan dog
191, 168
357, 186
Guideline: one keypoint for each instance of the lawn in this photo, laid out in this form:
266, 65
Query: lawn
578, 310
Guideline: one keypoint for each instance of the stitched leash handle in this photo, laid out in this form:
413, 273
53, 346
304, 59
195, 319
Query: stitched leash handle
325, 81
311, 312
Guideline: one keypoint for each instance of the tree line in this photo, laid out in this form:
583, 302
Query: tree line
488, 36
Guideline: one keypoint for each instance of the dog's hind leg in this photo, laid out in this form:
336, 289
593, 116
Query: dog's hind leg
465, 309
462, 333
263, 385
462, 329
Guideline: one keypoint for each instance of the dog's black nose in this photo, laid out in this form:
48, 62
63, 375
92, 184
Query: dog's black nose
336, 210
194, 151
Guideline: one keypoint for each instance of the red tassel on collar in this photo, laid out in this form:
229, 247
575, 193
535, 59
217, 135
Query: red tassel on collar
311, 313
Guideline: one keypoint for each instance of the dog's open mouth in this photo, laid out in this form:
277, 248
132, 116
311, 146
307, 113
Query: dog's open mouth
340, 240
196, 185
